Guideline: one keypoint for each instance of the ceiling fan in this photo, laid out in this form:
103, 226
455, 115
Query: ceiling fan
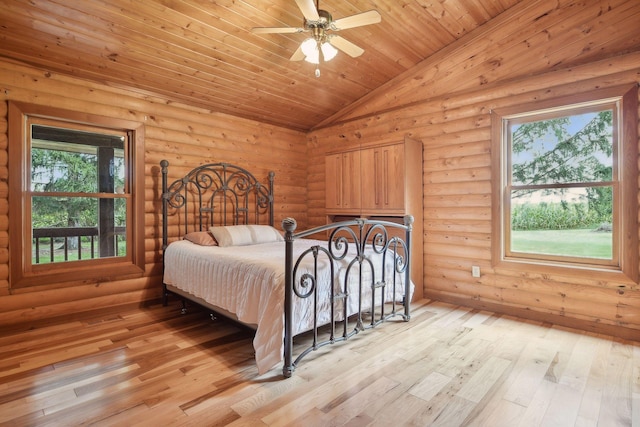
323, 46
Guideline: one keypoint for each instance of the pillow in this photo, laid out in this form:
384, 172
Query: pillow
242, 235
202, 238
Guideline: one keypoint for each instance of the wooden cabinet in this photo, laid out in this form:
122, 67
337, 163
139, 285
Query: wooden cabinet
382, 181
382, 169
378, 180
343, 190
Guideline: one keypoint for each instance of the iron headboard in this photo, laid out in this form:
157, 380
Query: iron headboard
214, 194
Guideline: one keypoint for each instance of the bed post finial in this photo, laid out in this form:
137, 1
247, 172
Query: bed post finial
289, 225
408, 220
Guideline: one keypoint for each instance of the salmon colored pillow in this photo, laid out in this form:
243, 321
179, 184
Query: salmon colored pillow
202, 238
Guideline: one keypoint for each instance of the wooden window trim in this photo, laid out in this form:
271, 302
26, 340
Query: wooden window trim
24, 275
627, 245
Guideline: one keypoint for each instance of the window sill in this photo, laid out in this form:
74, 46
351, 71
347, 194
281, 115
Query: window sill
74, 276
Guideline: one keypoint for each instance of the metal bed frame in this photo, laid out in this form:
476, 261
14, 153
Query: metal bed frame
225, 194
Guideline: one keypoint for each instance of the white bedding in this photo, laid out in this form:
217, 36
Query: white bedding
249, 281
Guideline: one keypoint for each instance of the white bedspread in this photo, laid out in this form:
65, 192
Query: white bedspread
249, 281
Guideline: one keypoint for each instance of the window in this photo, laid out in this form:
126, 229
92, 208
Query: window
566, 194
73, 206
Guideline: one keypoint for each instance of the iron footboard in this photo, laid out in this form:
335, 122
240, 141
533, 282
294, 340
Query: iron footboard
369, 265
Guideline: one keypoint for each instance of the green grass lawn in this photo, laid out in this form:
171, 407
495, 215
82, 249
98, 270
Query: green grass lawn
580, 243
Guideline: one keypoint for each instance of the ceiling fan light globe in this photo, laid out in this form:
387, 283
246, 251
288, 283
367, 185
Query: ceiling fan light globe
328, 52
313, 59
309, 47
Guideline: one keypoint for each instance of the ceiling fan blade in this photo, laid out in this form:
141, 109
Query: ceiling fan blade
357, 20
298, 55
276, 30
308, 9
346, 46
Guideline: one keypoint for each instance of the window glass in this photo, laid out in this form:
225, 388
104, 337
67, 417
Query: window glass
561, 184
74, 176
562, 223
567, 149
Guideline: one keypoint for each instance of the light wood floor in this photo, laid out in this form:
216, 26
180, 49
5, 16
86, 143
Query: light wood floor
448, 366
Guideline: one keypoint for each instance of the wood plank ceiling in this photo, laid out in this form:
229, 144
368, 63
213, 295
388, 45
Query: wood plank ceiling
203, 53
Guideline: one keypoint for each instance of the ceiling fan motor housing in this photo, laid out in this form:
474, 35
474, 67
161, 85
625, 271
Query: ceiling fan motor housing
325, 20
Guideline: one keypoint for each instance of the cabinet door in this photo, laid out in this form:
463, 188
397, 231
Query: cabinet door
383, 177
343, 181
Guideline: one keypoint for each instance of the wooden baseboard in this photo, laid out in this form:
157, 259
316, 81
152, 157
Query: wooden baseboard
580, 324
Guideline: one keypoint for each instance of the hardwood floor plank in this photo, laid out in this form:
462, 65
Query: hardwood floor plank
399, 411
635, 413
563, 341
505, 414
351, 408
122, 418
266, 393
635, 394
616, 403
563, 407
432, 384
43, 358
65, 395
530, 370
448, 366
457, 408
484, 379
313, 418
535, 412
579, 364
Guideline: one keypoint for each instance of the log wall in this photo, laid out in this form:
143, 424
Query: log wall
536, 50
184, 135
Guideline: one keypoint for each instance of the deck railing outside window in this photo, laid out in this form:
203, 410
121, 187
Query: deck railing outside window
71, 243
